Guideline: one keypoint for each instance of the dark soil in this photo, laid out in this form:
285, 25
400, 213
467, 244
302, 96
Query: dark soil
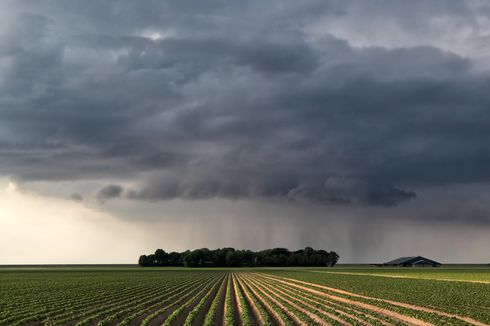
201, 316
236, 314
255, 317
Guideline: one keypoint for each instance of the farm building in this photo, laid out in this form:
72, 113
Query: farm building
417, 261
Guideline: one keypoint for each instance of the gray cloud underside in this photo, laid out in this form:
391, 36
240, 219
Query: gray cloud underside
109, 192
237, 99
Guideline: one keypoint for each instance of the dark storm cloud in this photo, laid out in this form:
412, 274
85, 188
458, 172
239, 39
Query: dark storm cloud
109, 192
231, 99
333, 190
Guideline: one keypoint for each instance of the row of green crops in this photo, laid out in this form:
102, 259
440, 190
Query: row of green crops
281, 314
293, 302
460, 298
240, 297
88, 297
475, 274
260, 310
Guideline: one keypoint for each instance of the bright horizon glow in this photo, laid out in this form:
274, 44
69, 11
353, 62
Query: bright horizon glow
36, 229
40, 230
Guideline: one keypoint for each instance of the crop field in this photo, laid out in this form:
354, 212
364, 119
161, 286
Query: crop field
166, 296
470, 273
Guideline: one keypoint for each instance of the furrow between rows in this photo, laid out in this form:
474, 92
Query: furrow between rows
392, 314
320, 312
298, 306
148, 314
294, 315
140, 303
338, 308
267, 314
215, 314
280, 316
202, 306
441, 314
256, 318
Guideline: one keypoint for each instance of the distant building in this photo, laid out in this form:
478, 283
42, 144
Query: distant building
417, 261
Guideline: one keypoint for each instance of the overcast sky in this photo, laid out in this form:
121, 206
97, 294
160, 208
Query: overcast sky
356, 126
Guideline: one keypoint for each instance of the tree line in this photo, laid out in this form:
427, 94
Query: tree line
230, 257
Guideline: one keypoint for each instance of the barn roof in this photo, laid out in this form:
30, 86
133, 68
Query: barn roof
403, 260
400, 260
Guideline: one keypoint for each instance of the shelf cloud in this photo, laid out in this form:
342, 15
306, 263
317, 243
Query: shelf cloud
279, 100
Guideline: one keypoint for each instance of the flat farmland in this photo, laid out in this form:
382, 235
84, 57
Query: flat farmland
470, 273
166, 296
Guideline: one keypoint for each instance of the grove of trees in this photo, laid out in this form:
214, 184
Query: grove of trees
230, 257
